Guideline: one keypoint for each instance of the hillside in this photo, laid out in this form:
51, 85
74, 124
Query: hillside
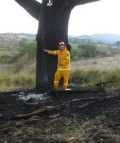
11, 45
8, 41
110, 38
89, 113
17, 60
107, 38
101, 64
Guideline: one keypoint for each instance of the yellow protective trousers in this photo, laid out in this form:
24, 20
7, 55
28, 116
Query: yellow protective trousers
58, 76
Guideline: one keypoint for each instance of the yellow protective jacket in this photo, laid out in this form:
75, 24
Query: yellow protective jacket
63, 59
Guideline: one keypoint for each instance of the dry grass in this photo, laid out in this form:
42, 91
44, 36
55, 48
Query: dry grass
101, 64
21, 80
84, 72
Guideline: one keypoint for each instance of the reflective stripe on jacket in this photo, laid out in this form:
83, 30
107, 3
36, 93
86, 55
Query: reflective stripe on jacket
63, 59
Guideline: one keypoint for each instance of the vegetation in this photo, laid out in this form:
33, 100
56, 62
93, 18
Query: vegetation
18, 65
19, 81
28, 49
80, 78
92, 50
92, 78
16, 73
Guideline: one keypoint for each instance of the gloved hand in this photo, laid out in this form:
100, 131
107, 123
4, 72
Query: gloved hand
45, 50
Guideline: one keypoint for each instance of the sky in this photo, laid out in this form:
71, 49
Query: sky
98, 17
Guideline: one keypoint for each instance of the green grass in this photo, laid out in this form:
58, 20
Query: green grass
84, 78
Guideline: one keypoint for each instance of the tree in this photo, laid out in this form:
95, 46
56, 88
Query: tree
53, 17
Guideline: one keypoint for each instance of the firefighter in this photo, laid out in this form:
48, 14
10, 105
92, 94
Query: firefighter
63, 66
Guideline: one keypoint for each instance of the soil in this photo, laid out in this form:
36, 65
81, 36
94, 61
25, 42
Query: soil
92, 116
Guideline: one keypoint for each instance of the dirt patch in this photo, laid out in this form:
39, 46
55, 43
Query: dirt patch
86, 117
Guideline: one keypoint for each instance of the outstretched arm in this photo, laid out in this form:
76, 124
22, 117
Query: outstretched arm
74, 3
31, 6
51, 52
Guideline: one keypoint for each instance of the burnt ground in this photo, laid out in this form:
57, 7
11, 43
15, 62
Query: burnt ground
87, 116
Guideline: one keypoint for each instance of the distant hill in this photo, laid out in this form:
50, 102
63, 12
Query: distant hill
108, 38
